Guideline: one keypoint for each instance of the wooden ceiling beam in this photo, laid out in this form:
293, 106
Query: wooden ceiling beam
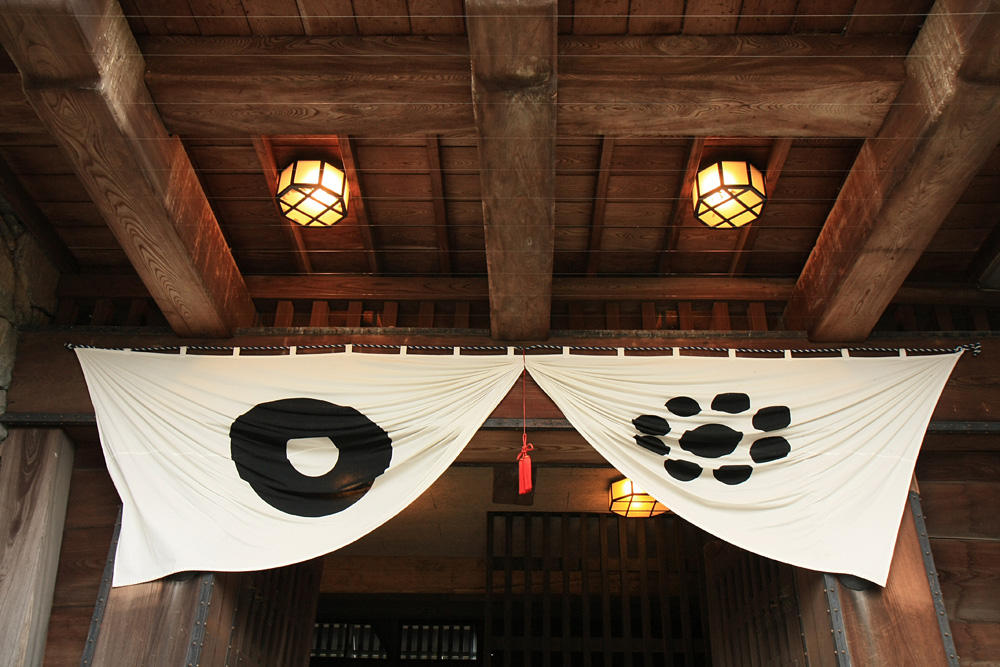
356, 203
265, 154
82, 75
323, 286
438, 202
600, 204
904, 182
682, 85
748, 233
683, 211
513, 54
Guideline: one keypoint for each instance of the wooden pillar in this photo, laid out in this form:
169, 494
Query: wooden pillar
35, 468
255, 619
895, 625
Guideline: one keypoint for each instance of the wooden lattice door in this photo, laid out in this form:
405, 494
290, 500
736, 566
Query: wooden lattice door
594, 590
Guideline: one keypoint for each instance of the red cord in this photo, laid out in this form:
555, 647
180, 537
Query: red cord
524, 459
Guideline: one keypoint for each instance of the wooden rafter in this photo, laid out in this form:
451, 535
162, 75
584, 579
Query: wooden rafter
437, 201
357, 202
82, 76
265, 153
600, 204
943, 126
513, 55
682, 85
748, 233
682, 212
34, 220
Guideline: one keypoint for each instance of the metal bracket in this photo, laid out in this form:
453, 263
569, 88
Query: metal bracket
932, 578
102, 597
193, 658
832, 590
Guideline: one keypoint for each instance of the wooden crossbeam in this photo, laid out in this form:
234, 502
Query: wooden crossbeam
82, 76
942, 127
682, 85
513, 55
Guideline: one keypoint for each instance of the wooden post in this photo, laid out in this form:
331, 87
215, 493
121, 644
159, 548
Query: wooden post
35, 468
895, 625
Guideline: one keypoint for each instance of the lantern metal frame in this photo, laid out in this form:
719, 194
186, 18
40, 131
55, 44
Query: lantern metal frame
313, 193
728, 194
625, 499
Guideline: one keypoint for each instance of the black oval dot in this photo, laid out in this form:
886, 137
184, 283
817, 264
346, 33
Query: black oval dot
651, 424
711, 440
731, 403
652, 443
683, 406
772, 418
685, 471
732, 474
769, 449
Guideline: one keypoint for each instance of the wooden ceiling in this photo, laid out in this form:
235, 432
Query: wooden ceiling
515, 166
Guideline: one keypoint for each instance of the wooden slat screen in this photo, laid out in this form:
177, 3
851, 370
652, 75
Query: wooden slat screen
594, 590
753, 609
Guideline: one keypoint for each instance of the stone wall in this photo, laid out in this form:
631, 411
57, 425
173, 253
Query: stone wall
27, 292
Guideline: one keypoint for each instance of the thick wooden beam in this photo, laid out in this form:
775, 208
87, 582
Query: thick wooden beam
35, 469
513, 52
636, 85
942, 127
81, 73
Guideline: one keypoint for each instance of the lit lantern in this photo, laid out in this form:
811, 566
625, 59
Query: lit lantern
313, 193
728, 194
626, 500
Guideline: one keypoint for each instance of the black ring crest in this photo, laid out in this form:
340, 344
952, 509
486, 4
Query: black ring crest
259, 440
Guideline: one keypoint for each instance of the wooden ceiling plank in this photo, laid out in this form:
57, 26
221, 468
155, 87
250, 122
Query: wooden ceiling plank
437, 200
905, 181
513, 54
265, 153
34, 220
83, 78
683, 212
748, 233
357, 202
818, 85
711, 17
600, 204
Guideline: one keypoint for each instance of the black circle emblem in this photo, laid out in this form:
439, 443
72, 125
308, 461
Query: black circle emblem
259, 440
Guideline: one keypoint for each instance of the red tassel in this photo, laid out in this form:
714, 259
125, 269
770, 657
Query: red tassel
524, 466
